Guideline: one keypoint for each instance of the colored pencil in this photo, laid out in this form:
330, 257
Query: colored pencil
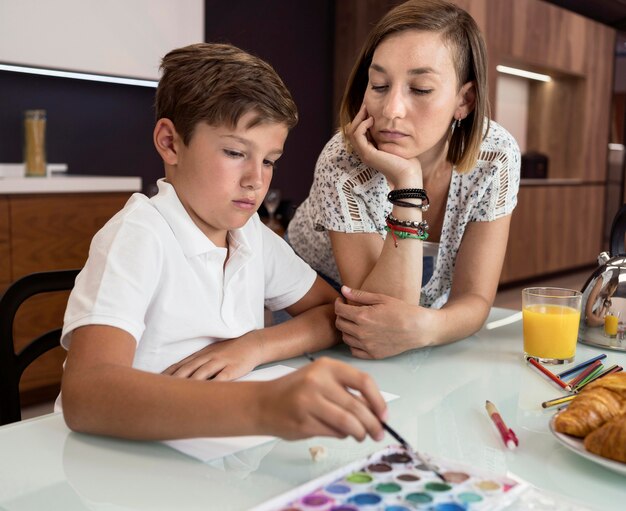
613, 369
580, 366
405, 445
589, 378
557, 401
508, 436
584, 373
549, 374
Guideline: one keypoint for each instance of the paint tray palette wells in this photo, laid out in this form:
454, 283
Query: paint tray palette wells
390, 480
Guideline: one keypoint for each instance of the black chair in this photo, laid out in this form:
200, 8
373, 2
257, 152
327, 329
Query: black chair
12, 364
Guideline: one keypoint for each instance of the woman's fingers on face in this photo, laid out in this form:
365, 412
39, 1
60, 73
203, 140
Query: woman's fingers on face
360, 116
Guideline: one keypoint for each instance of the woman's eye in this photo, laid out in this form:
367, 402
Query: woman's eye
379, 88
418, 91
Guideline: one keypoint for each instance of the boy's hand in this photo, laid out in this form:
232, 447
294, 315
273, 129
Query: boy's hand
400, 172
315, 401
220, 361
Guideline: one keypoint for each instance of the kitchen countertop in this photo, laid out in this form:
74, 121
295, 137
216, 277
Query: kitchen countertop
69, 184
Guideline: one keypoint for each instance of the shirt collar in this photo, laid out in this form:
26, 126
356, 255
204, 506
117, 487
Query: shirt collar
192, 240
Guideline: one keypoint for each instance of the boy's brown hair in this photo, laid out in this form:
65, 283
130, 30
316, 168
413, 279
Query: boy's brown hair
218, 84
461, 34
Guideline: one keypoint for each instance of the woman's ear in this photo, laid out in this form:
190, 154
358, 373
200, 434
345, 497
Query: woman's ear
466, 100
166, 141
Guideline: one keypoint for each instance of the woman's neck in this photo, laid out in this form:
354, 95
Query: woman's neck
434, 161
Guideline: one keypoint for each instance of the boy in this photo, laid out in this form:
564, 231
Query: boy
173, 291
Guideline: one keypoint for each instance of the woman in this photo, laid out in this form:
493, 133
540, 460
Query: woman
415, 123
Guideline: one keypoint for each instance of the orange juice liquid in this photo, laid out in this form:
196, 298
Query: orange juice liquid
610, 325
550, 331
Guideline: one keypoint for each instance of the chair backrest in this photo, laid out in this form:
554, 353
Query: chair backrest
12, 364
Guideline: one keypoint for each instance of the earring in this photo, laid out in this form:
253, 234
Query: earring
458, 122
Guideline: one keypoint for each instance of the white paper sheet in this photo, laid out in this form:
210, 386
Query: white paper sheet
207, 449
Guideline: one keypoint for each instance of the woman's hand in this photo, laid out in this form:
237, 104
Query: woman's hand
380, 326
220, 361
315, 401
398, 171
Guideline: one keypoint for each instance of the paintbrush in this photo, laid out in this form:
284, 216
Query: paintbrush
405, 445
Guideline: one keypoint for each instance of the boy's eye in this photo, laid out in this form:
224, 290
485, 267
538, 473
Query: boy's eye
233, 154
269, 163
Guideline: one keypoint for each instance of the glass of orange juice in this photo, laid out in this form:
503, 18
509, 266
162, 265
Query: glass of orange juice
550, 320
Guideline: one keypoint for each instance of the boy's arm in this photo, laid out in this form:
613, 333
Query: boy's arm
311, 329
103, 394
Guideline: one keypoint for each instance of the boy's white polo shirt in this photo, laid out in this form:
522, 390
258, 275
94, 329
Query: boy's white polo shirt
154, 274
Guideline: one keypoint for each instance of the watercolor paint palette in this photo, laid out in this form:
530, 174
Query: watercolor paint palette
390, 480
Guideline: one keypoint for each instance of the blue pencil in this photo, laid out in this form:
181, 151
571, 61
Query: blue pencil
580, 366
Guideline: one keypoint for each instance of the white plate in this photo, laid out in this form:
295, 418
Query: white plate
576, 445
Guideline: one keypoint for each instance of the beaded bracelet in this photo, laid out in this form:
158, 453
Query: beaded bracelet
396, 196
423, 225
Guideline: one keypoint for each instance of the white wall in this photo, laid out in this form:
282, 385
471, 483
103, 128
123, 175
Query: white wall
118, 37
512, 106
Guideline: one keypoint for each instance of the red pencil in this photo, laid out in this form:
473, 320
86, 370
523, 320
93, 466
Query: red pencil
586, 372
549, 374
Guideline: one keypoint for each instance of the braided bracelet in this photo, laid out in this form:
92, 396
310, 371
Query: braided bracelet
423, 225
396, 196
404, 233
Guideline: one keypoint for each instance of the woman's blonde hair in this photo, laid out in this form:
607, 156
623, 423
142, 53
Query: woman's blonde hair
461, 33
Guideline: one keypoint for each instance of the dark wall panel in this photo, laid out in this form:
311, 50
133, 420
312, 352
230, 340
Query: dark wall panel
296, 37
96, 128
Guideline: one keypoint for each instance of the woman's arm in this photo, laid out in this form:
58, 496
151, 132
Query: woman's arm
103, 394
365, 261
379, 326
311, 329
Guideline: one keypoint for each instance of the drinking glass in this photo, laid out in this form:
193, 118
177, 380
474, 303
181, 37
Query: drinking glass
551, 316
611, 324
271, 203
35, 142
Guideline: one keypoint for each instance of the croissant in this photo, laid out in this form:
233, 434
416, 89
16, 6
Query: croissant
589, 410
609, 440
615, 382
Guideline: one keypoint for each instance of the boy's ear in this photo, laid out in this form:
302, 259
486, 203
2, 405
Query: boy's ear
166, 141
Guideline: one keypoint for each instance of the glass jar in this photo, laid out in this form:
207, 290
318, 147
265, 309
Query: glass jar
35, 142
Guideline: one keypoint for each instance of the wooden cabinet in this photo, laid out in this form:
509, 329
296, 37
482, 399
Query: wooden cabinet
41, 232
553, 227
5, 248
